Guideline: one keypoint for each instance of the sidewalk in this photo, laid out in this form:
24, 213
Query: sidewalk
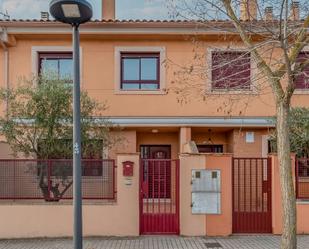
156, 242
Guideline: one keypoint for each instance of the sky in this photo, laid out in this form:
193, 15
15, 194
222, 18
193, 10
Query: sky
125, 9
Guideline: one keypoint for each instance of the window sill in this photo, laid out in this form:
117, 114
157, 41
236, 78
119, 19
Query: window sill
301, 91
128, 92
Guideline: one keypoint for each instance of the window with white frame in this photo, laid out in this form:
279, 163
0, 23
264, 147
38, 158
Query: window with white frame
56, 65
139, 70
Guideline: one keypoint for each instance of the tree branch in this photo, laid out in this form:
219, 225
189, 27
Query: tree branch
262, 65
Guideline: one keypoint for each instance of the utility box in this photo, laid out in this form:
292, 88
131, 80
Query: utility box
127, 168
206, 191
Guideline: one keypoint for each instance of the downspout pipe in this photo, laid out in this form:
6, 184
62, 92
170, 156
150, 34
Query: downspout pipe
3, 40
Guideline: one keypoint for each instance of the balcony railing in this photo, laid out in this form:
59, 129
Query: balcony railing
302, 178
52, 180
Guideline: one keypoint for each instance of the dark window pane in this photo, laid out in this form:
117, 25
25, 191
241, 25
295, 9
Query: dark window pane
231, 70
130, 86
210, 148
302, 79
149, 86
149, 69
130, 69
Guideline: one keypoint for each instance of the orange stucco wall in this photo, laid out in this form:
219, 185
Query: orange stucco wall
234, 141
170, 138
239, 146
190, 224
121, 218
215, 137
98, 76
221, 224
126, 144
302, 206
201, 224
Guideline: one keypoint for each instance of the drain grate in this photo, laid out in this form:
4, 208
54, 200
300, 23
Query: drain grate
213, 245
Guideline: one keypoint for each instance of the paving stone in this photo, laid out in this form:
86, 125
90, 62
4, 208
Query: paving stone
158, 242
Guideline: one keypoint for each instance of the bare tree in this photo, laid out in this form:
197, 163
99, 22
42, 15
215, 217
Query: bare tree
274, 34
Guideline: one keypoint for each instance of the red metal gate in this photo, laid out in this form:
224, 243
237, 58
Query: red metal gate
252, 195
159, 196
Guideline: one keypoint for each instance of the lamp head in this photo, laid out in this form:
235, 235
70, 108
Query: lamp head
73, 12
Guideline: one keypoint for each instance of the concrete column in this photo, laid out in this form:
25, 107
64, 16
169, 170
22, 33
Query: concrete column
190, 224
184, 137
128, 193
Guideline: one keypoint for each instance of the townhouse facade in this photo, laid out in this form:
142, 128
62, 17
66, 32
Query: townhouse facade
133, 66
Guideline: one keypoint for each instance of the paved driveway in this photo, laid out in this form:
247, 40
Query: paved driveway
155, 242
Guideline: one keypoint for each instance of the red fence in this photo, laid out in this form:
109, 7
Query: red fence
159, 196
52, 180
302, 178
251, 184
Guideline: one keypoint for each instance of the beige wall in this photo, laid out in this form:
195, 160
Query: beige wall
55, 220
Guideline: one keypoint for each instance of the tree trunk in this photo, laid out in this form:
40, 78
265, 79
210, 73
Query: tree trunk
288, 240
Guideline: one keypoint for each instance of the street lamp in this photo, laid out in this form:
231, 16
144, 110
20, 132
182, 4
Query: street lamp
75, 12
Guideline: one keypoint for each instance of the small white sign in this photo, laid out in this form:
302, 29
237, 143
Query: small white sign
249, 137
128, 181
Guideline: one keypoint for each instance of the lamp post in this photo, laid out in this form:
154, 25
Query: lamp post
75, 12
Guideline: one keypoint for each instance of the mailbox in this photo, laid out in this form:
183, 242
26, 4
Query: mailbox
128, 168
206, 191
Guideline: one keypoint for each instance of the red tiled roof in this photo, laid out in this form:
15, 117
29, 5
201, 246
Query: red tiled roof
116, 21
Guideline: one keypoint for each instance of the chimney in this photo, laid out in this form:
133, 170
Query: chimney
108, 9
268, 15
294, 12
44, 15
248, 10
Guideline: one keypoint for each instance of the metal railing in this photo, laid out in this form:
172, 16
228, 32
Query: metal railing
302, 178
52, 180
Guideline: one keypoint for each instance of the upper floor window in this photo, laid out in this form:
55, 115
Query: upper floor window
56, 65
231, 70
140, 71
302, 79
